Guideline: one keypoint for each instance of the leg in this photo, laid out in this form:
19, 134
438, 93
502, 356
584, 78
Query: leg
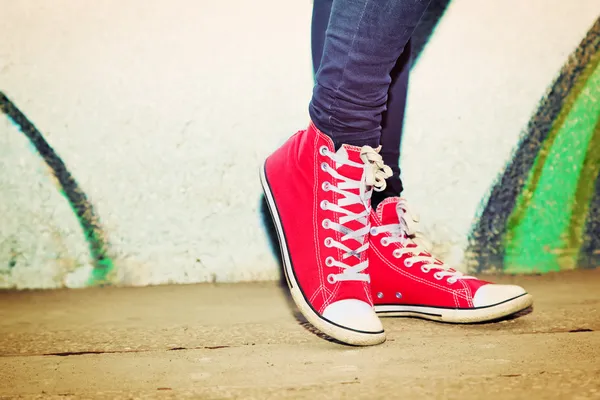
393, 124
432, 291
363, 42
319, 184
320, 20
393, 118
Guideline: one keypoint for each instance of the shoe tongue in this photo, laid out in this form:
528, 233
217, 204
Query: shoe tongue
353, 172
351, 153
387, 211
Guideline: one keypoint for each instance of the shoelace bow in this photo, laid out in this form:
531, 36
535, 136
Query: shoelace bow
415, 243
374, 175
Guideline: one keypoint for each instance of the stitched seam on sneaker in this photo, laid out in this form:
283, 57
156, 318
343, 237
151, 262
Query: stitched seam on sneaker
402, 270
384, 203
368, 294
467, 298
348, 57
338, 238
467, 292
314, 295
316, 225
455, 297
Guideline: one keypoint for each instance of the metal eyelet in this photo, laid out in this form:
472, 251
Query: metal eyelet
323, 150
380, 295
329, 261
328, 242
384, 242
437, 276
324, 166
331, 279
325, 223
408, 263
398, 295
324, 205
325, 186
396, 253
374, 232
425, 269
451, 281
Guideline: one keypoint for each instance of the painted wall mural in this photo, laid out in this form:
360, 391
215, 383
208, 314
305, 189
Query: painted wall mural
136, 180
542, 215
66, 184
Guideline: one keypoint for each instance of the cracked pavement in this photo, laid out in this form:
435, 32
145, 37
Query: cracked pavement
224, 341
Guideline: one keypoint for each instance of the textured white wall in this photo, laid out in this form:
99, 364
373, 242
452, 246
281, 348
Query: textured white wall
472, 93
163, 110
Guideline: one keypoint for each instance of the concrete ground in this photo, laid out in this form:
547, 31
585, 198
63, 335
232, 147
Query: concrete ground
246, 341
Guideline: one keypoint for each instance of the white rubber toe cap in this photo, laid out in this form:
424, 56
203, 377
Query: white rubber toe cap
491, 294
353, 314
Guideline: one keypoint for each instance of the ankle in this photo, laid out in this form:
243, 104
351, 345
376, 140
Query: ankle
349, 136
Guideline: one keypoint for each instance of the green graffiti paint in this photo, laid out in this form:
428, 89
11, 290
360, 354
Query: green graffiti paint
507, 203
585, 191
103, 263
544, 230
68, 187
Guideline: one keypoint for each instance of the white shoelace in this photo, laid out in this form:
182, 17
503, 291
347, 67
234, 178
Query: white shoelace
406, 232
373, 177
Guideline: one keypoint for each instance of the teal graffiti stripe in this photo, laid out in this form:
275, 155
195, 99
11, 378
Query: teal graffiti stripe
505, 203
540, 235
69, 188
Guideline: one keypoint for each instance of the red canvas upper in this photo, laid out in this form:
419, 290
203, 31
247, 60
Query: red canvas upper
394, 282
299, 186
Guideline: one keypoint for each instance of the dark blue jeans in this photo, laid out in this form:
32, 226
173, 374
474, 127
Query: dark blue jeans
361, 57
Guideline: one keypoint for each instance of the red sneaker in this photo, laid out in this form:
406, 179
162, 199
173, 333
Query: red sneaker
408, 281
320, 204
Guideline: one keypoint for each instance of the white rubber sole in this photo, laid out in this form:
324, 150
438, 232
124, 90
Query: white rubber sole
458, 315
338, 332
